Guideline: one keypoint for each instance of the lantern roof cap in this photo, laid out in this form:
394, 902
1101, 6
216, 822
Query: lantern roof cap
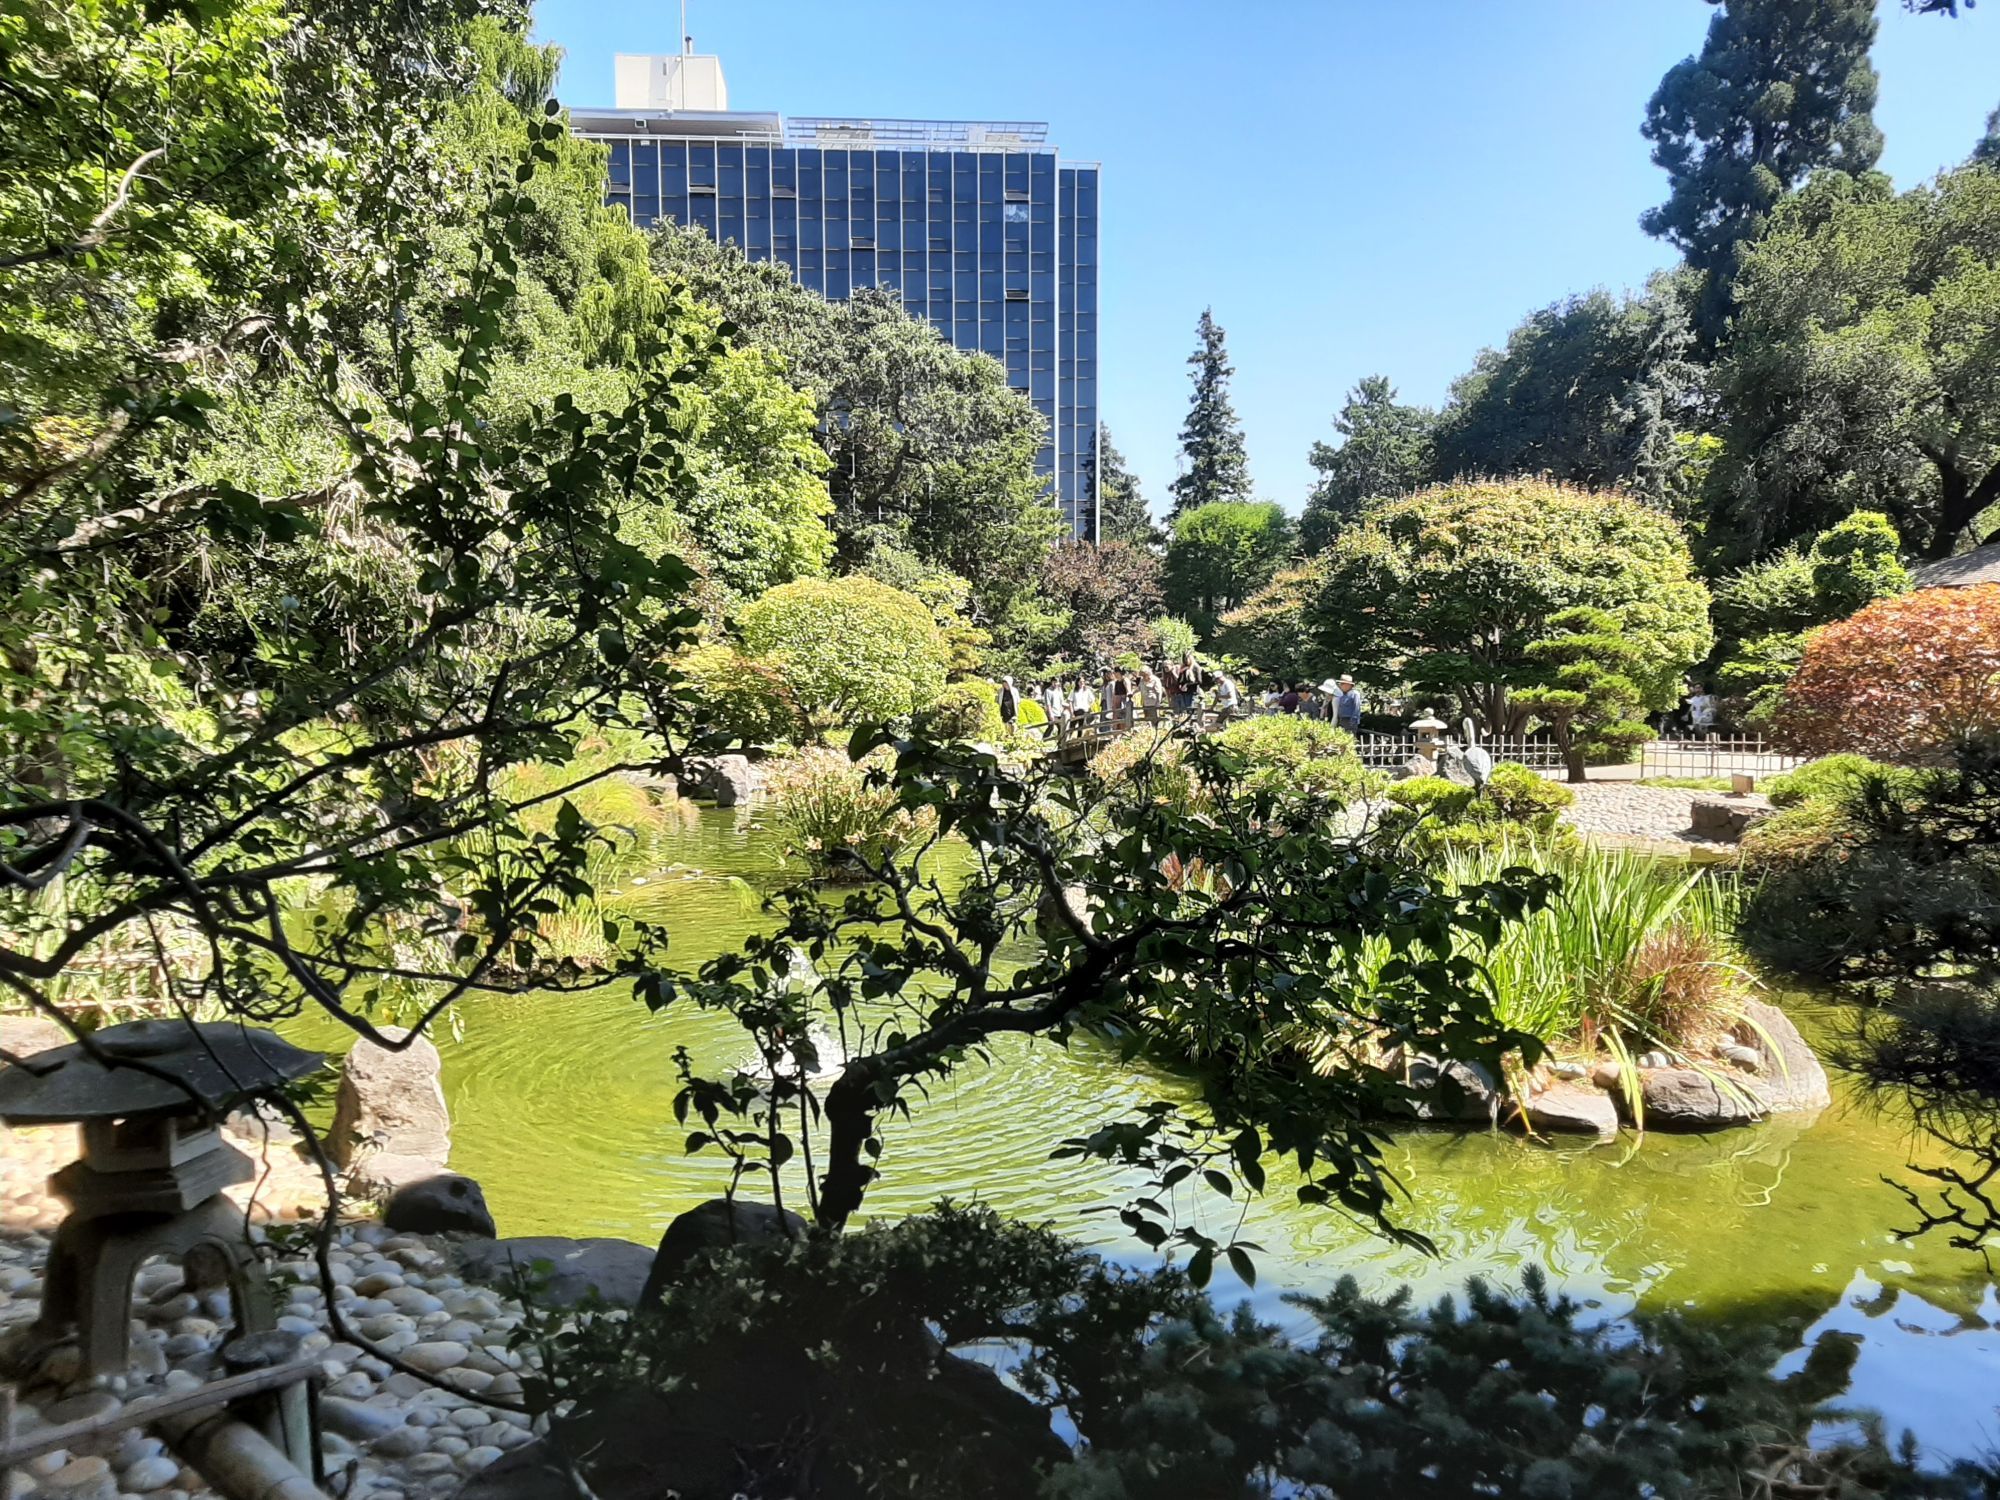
156, 1067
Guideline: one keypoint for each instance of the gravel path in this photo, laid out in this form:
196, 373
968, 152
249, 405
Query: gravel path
1628, 811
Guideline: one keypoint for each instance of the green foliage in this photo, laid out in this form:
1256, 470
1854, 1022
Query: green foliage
1860, 372
745, 700
1590, 699
1988, 148
922, 439
1122, 515
1451, 588
1516, 807
963, 711
946, 594
1385, 451
1200, 922
1221, 554
1593, 391
1217, 470
318, 507
1832, 778
1174, 637
850, 649
1267, 631
1854, 563
806, 1368
1636, 950
1782, 89
1299, 756
838, 815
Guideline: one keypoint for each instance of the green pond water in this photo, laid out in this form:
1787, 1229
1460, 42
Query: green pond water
561, 1108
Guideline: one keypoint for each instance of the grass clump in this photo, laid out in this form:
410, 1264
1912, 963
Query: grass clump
839, 815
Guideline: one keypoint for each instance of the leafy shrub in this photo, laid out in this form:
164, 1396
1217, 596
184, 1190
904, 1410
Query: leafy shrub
835, 815
1291, 753
966, 711
749, 700
1830, 778
1794, 835
1515, 794
1173, 637
1514, 806
1905, 678
1150, 763
805, 1368
850, 649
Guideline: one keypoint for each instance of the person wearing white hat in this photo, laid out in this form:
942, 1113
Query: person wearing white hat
1347, 704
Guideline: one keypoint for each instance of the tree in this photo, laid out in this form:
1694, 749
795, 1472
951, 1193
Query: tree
1385, 451
1111, 592
1763, 612
923, 441
1267, 631
1590, 701
1904, 678
850, 649
1864, 373
1592, 390
1122, 515
1451, 588
1216, 467
1988, 149
1223, 553
1782, 89
310, 809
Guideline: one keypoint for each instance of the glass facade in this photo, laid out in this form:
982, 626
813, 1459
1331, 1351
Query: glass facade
997, 247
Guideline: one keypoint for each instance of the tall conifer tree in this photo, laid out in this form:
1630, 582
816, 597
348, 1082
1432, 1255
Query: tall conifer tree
1782, 89
1121, 509
1211, 439
1988, 149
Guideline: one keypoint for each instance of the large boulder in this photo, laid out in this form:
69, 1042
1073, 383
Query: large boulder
719, 1224
1461, 1092
1570, 1108
391, 1103
1723, 819
1788, 1075
726, 780
442, 1204
1683, 1098
614, 1270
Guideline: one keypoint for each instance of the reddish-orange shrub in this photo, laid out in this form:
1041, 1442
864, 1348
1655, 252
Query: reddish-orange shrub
1899, 679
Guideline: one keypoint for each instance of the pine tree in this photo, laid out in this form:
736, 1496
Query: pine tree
1121, 509
1782, 89
1988, 149
1386, 452
1211, 438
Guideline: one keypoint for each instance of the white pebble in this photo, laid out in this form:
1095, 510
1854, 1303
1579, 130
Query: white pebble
449, 1443
149, 1474
401, 1442
431, 1463
80, 1479
472, 1460
441, 1354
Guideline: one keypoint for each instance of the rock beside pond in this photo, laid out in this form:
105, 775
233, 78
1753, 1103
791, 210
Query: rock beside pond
616, 1270
1569, 1108
1453, 1091
440, 1204
726, 780
391, 1103
1789, 1075
719, 1224
1685, 1098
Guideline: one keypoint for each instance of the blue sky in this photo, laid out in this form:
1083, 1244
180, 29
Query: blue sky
1356, 186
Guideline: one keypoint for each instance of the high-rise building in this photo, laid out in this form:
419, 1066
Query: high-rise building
980, 226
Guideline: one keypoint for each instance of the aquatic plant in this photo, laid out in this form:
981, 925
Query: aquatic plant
840, 816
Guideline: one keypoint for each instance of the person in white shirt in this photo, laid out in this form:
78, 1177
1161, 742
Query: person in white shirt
1227, 698
1701, 712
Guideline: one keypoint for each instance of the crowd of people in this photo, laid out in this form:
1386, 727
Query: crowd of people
1123, 697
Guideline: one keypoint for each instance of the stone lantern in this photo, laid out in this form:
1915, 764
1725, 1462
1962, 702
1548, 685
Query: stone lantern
1429, 731
150, 1096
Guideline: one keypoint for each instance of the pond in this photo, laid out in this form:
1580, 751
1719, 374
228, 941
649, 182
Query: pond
562, 1110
